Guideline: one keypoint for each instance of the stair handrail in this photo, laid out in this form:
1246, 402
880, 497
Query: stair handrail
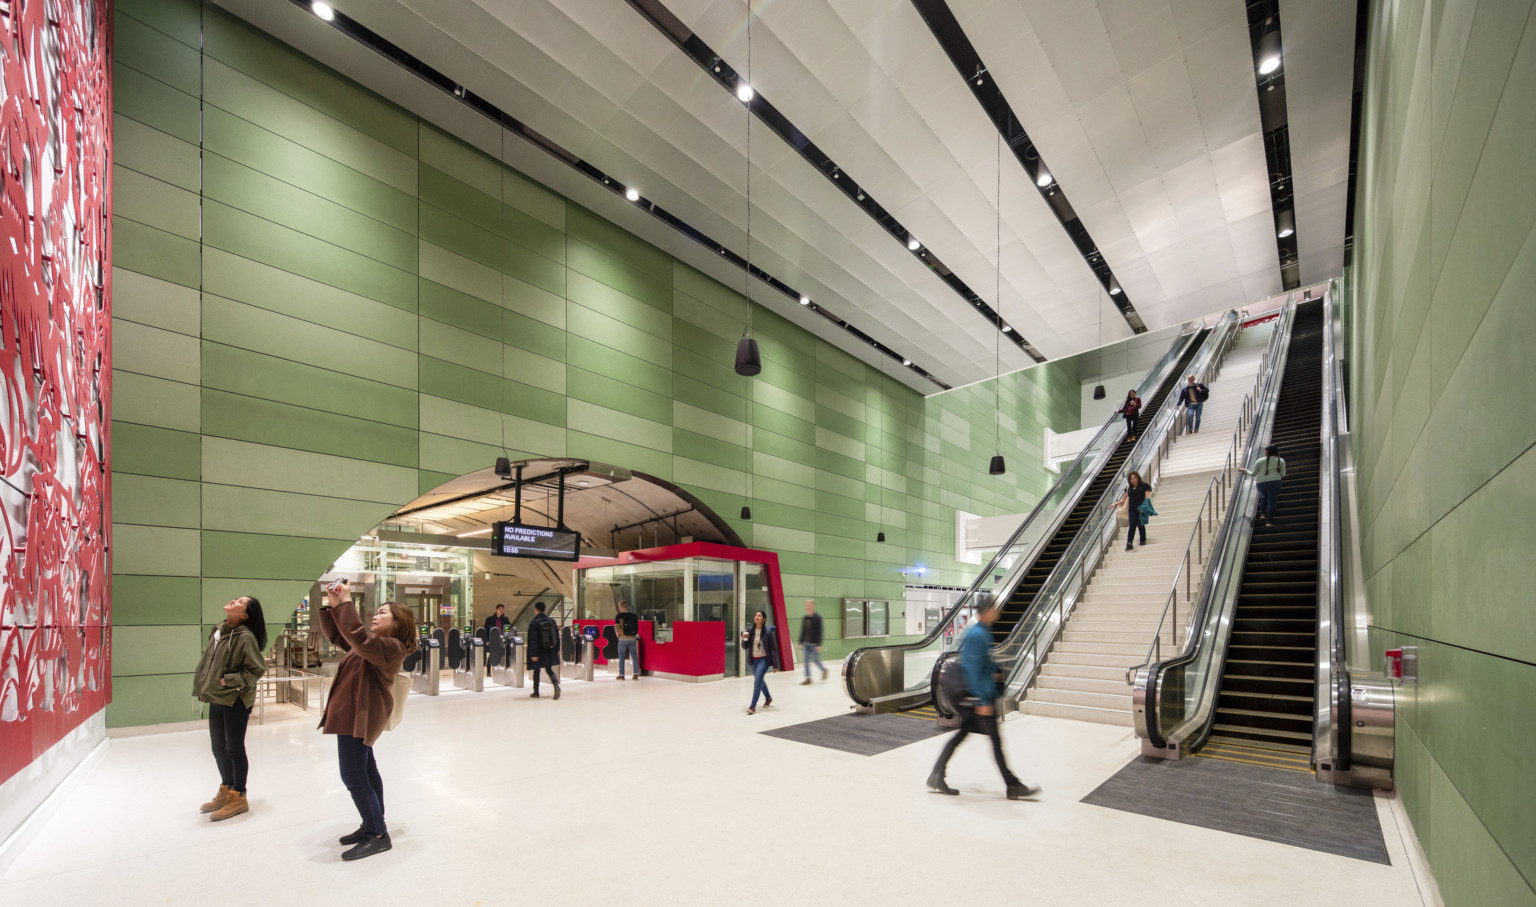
1112, 429
1064, 585
1225, 478
1219, 585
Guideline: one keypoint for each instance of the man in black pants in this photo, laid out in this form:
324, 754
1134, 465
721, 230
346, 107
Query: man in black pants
543, 649
978, 709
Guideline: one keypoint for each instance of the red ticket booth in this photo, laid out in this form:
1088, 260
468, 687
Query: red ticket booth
694, 600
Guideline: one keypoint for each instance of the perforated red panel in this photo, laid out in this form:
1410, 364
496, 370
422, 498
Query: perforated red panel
56, 367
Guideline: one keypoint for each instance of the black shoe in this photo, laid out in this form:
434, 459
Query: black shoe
767, 702
354, 838
557, 691
936, 783
1127, 547
1019, 790
368, 847
534, 695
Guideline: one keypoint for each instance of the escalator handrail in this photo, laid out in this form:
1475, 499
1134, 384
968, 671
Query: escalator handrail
1156, 375
1224, 570
1029, 628
1331, 721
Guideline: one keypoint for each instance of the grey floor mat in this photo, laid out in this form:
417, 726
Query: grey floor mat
863, 735
1260, 802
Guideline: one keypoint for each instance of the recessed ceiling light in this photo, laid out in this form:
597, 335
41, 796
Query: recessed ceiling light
805, 300
744, 92
583, 483
1043, 178
906, 362
1269, 53
1114, 287
913, 244
1007, 328
632, 194
1287, 224
323, 10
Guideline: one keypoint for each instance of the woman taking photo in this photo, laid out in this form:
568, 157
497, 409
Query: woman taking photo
1135, 492
362, 697
762, 646
226, 679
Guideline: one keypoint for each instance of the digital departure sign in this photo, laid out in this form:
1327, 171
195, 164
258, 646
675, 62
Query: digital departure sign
538, 542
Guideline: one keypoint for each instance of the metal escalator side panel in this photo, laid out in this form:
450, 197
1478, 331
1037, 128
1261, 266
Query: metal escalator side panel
868, 676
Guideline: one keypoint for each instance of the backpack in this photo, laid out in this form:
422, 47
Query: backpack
952, 682
1202, 393
549, 636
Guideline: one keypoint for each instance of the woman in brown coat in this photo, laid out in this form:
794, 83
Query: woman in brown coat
362, 696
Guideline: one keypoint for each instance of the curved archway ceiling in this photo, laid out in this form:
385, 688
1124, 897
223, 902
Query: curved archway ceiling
1145, 110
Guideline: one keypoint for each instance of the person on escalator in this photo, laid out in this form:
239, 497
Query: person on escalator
1135, 493
1130, 410
543, 649
1192, 397
978, 708
1267, 472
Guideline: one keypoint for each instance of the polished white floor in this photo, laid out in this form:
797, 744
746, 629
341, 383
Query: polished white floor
656, 793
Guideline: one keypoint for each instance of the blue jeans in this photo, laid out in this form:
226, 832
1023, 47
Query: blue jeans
811, 653
361, 776
1134, 517
760, 668
630, 648
1192, 416
1269, 496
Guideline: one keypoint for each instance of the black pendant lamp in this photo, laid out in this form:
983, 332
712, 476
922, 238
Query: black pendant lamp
997, 467
749, 363
1098, 389
746, 512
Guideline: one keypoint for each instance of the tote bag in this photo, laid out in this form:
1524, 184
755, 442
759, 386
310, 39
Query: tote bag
401, 689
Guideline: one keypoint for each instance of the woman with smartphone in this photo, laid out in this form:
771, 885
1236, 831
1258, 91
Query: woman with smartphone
226, 679
762, 647
362, 697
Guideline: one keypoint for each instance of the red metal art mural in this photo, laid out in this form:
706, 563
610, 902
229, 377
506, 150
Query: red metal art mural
56, 369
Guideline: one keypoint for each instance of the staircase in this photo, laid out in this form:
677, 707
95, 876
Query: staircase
1083, 677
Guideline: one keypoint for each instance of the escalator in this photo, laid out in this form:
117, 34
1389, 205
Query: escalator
1267, 683
1028, 588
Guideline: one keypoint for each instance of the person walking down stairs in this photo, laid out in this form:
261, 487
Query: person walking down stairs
1135, 497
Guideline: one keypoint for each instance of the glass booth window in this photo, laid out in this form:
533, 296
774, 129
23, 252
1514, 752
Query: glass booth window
656, 592
864, 617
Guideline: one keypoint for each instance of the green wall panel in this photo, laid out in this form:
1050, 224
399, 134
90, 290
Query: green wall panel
338, 308
1440, 321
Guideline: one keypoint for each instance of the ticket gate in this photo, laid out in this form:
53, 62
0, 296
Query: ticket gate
469, 673
581, 669
508, 668
427, 675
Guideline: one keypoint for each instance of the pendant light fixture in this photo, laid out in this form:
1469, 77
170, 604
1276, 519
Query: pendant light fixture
1098, 389
880, 536
749, 362
996, 467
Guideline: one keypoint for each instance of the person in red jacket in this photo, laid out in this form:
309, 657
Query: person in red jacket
361, 699
1130, 411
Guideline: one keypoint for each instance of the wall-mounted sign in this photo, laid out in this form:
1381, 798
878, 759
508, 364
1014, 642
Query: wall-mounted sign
538, 542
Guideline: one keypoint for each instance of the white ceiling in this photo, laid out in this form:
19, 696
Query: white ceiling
1145, 110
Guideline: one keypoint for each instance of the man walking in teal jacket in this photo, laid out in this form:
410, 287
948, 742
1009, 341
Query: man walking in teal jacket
978, 710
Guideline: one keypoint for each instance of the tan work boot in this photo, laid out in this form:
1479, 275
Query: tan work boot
218, 801
237, 804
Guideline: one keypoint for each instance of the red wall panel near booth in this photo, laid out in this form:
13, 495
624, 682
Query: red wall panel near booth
56, 367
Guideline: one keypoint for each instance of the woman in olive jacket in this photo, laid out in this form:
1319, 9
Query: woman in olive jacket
361, 699
226, 679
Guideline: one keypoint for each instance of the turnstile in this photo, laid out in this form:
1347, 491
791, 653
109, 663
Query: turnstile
582, 669
508, 668
428, 675
469, 673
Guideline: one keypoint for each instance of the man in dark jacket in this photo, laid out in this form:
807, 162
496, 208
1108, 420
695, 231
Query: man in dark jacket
499, 620
978, 711
810, 641
543, 649
1192, 397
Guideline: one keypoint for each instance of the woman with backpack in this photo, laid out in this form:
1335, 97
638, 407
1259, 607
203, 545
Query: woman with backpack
761, 644
1130, 411
543, 649
361, 700
1267, 472
1135, 494
226, 679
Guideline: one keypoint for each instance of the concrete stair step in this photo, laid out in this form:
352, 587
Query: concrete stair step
1076, 713
1130, 637
1102, 648
1096, 660
1052, 668
1111, 701
1112, 687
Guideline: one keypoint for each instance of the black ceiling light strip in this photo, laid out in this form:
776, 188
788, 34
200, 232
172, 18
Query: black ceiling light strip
952, 38
1362, 18
398, 55
691, 44
1264, 35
